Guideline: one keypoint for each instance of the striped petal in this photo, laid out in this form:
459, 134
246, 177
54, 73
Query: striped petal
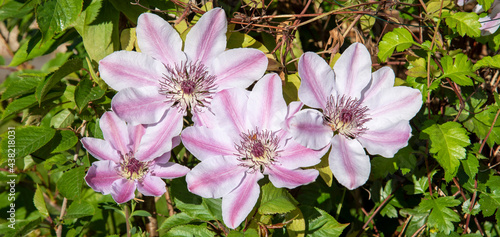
353, 70
115, 131
307, 128
123, 190
290, 178
101, 149
101, 176
317, 80
385, 138
151, 186
349, 163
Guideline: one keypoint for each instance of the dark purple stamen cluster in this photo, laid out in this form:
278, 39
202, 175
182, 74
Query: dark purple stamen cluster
346, 115
257, 150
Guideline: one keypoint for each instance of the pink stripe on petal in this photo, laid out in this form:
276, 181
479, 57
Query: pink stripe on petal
349, 163
266, 108
123, 190
158, 38
239, 67
239, 203
169, 170
215, 177
307, 128
387, 139
204, 143
140, 105
353, 70
290, 178
207, 38
135, 135
151, 186
381, 79
115, 131
295, 155
101, 149
125, 69
317, 80
101, 176
205, 118
395, 103
229, 106
158, 137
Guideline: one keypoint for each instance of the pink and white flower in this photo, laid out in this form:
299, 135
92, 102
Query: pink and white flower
247, 142
133, 156
491, 22
163, 75
361, 110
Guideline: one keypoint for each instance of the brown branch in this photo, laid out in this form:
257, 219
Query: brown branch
373, 215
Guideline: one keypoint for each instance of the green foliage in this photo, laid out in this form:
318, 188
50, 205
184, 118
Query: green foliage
70, 183
55, 16
275, 201
466, 23
399, 39
320, 223
458, 69
441, 216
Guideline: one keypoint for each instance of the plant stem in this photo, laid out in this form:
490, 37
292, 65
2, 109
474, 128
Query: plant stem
127, 219
151, 221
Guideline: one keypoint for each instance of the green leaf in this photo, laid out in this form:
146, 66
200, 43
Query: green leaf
485, 3
140, 213
175, 220
28, 140
488, 61
489, 199
471, 166
480, 124
22, 84
79, 209
62, 119
189, 230
320, 223
70, 183
399, 39
458, 70
39, 202
440, 217
276, 201
98, 26
18, 105
13, 9
67, 68
448, 142
67, 140
193, 205
85, 92
132, 12
291, 87
240, 40
465, 23
55, 16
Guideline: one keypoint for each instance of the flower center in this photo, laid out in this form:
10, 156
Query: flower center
346, 115
188, 86
132, 168
257, 150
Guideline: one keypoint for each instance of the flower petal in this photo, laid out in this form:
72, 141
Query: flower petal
140, 105
151, 186
135, 133
282, 177
239, 67
123, 190
207, 38
395, 103
204, 118
239, 203
101, 176
353, 70
158, 137
293, 108
348, 161
169, 170
125, 69
115, 131
490, 23
204, 143
307, 128
215, 177
101, 149
317, 80
158, 38
266, 108
295, 155
381, 79
385, 139
229, 107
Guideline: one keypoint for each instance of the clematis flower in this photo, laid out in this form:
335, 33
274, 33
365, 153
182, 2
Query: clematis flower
491, 22
359, 110
247, 144
163, 76
133, 157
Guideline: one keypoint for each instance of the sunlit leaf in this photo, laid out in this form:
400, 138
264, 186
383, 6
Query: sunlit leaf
399, 39
441, 216
466, 23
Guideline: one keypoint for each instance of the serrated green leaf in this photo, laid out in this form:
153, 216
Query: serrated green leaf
465, 23
70, 183
19, 104
58, 159
23, 85
320, 223
98, 26
13, 9
79, 209
55, 16
441, 216
459, 69
140, 213
480, 124
466, 208
399, 39
486, 4
189, 230
85, 92
448, 142
67, 68
489, 199
28, 140
276, 200
471, 166
62, 119
67, 141
488, 61
418, 69
39, 202
175, 220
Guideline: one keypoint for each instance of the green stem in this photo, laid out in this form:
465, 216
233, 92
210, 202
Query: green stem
340, 205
